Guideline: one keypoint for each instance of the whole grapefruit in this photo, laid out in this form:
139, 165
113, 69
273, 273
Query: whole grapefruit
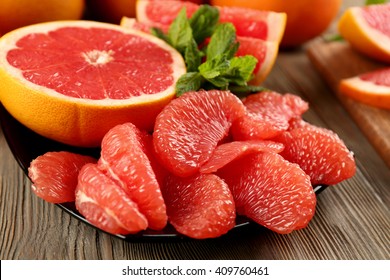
14, 14
306, 19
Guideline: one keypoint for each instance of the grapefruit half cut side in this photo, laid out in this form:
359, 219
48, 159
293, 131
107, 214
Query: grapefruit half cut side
71, 81
367, 29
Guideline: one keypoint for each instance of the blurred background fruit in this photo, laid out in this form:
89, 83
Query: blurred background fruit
306, 19
18, 13
110, 10
113, 10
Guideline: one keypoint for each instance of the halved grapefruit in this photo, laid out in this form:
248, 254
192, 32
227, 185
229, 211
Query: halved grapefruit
367, 29
71, 81
372, 88
263, 25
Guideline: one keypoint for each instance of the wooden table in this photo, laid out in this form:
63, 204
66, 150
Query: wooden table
352, 219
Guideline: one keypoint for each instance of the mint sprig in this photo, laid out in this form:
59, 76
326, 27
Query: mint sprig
215, 66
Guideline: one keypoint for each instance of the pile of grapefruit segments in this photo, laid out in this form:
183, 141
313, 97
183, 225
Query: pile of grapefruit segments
211, 159
366, 29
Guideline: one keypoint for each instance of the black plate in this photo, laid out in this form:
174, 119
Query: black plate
26, 145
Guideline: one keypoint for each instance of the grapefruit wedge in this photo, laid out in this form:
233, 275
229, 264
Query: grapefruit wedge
372, 88
71, 81
265, 25
367, 29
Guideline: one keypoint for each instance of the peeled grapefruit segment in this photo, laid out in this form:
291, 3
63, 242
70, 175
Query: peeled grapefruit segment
372, 88
54, 175
189, 128
200, 206
319, 152
367, 29
268, 114
61, 78
227, 152
124, 158
271, 191
263, 25
105, 205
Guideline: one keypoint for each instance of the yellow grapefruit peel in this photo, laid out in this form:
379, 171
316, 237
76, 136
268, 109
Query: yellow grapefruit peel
366, 92
362, 37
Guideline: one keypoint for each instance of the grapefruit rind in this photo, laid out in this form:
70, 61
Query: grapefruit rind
367, 40
277, 23
366, 92
267, 64
73, 120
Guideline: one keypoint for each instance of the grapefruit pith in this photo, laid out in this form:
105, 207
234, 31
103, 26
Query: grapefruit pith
71, 81
367, 29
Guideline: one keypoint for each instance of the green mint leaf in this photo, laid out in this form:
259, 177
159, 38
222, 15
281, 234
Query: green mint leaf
219, 82
192, 56
373, 2
180, 32
241, 69
190, 81
215, 67
222, 41
332, 37
203, 22
242, 91
159, 34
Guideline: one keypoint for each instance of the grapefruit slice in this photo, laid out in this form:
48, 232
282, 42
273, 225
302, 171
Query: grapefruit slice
372, 88
200, 206
190, 127
264, 51
367, 29
105, 205
265, 25
271, 191
54, 175
72, 81
123, 158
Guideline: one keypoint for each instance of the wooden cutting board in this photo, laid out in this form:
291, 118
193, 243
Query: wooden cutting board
335, 61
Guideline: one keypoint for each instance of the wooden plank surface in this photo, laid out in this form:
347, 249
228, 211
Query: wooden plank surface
337, 60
